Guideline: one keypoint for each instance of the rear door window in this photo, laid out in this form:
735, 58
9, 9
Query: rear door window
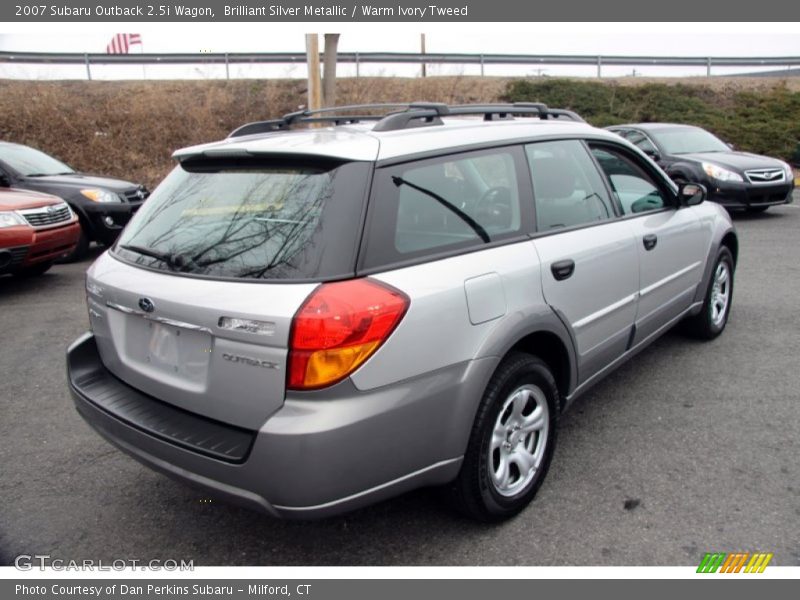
567, 188
251, 219
452, 203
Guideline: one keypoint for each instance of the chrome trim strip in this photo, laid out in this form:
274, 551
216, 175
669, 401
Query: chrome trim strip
640, 319
606, 311
654, 286
377, 488
162, 320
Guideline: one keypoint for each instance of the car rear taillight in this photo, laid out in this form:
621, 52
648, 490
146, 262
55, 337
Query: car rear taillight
339, 326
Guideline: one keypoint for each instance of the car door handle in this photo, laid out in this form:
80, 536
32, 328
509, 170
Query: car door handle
650, 241
563, 269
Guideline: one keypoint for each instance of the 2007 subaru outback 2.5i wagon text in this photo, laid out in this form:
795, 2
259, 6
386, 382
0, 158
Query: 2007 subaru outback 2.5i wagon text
310, 320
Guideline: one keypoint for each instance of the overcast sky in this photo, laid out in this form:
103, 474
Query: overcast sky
721, 39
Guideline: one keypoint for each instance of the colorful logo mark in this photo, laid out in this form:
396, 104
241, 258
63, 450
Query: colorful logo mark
736, 562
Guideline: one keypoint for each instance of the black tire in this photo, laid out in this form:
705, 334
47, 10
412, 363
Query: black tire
754, 210
474, 492
705, 325
34, 271
81, 248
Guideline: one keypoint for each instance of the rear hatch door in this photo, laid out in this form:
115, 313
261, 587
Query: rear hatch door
194, 304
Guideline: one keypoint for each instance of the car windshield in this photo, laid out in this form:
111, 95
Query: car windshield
687, 140
251, 221
30, 162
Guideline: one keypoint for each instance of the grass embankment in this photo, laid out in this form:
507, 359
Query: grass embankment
129, 129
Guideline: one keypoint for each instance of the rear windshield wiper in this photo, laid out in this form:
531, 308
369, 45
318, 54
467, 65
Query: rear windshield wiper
476, 227
173, 261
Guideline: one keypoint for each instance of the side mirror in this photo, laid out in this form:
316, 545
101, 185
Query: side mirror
731, 146
691, 194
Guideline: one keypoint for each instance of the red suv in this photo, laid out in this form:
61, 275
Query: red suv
35, 230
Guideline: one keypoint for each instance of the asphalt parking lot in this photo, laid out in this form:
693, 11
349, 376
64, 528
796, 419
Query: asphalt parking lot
689, 448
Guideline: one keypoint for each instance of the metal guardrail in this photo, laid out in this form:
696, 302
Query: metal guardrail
358, 58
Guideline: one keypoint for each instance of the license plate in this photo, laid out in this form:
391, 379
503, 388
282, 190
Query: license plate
168, 349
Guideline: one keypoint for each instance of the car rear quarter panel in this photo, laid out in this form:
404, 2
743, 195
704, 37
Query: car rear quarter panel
438, 330
472, 307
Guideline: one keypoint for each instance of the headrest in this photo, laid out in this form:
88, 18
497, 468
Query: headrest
552, 178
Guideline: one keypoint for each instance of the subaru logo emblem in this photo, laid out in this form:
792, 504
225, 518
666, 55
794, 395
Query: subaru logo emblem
146, 305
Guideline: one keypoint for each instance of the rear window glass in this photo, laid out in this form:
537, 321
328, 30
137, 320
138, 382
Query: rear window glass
251, 220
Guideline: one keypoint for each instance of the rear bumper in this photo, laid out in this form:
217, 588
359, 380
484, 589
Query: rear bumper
314, 457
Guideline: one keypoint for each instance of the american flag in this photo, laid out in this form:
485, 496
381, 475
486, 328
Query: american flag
122, 42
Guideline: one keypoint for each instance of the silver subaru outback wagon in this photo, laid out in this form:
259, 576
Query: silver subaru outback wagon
309, 319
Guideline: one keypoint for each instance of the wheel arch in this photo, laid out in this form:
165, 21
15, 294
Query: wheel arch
685, 170
731, 241
550, 348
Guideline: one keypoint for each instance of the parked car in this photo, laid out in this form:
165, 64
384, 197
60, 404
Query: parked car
35, 231
308, 321
103, 204
737, 180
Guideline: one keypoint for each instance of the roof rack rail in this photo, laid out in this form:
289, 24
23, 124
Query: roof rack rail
420, 114
320, 115
414, 114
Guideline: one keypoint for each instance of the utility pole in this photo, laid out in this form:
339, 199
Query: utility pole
312, 58
329, 80
422, 51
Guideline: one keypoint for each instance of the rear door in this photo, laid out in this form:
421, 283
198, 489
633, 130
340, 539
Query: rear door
590, 270
670, 240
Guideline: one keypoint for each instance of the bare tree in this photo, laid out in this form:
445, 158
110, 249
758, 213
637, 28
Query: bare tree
329, 62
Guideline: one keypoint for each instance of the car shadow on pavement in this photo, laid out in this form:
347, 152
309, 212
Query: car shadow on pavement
743, 215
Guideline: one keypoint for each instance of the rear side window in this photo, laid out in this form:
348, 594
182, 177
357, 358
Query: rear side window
251, 220
427, 207
568, 190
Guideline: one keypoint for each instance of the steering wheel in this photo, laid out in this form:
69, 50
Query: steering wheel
494, 194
